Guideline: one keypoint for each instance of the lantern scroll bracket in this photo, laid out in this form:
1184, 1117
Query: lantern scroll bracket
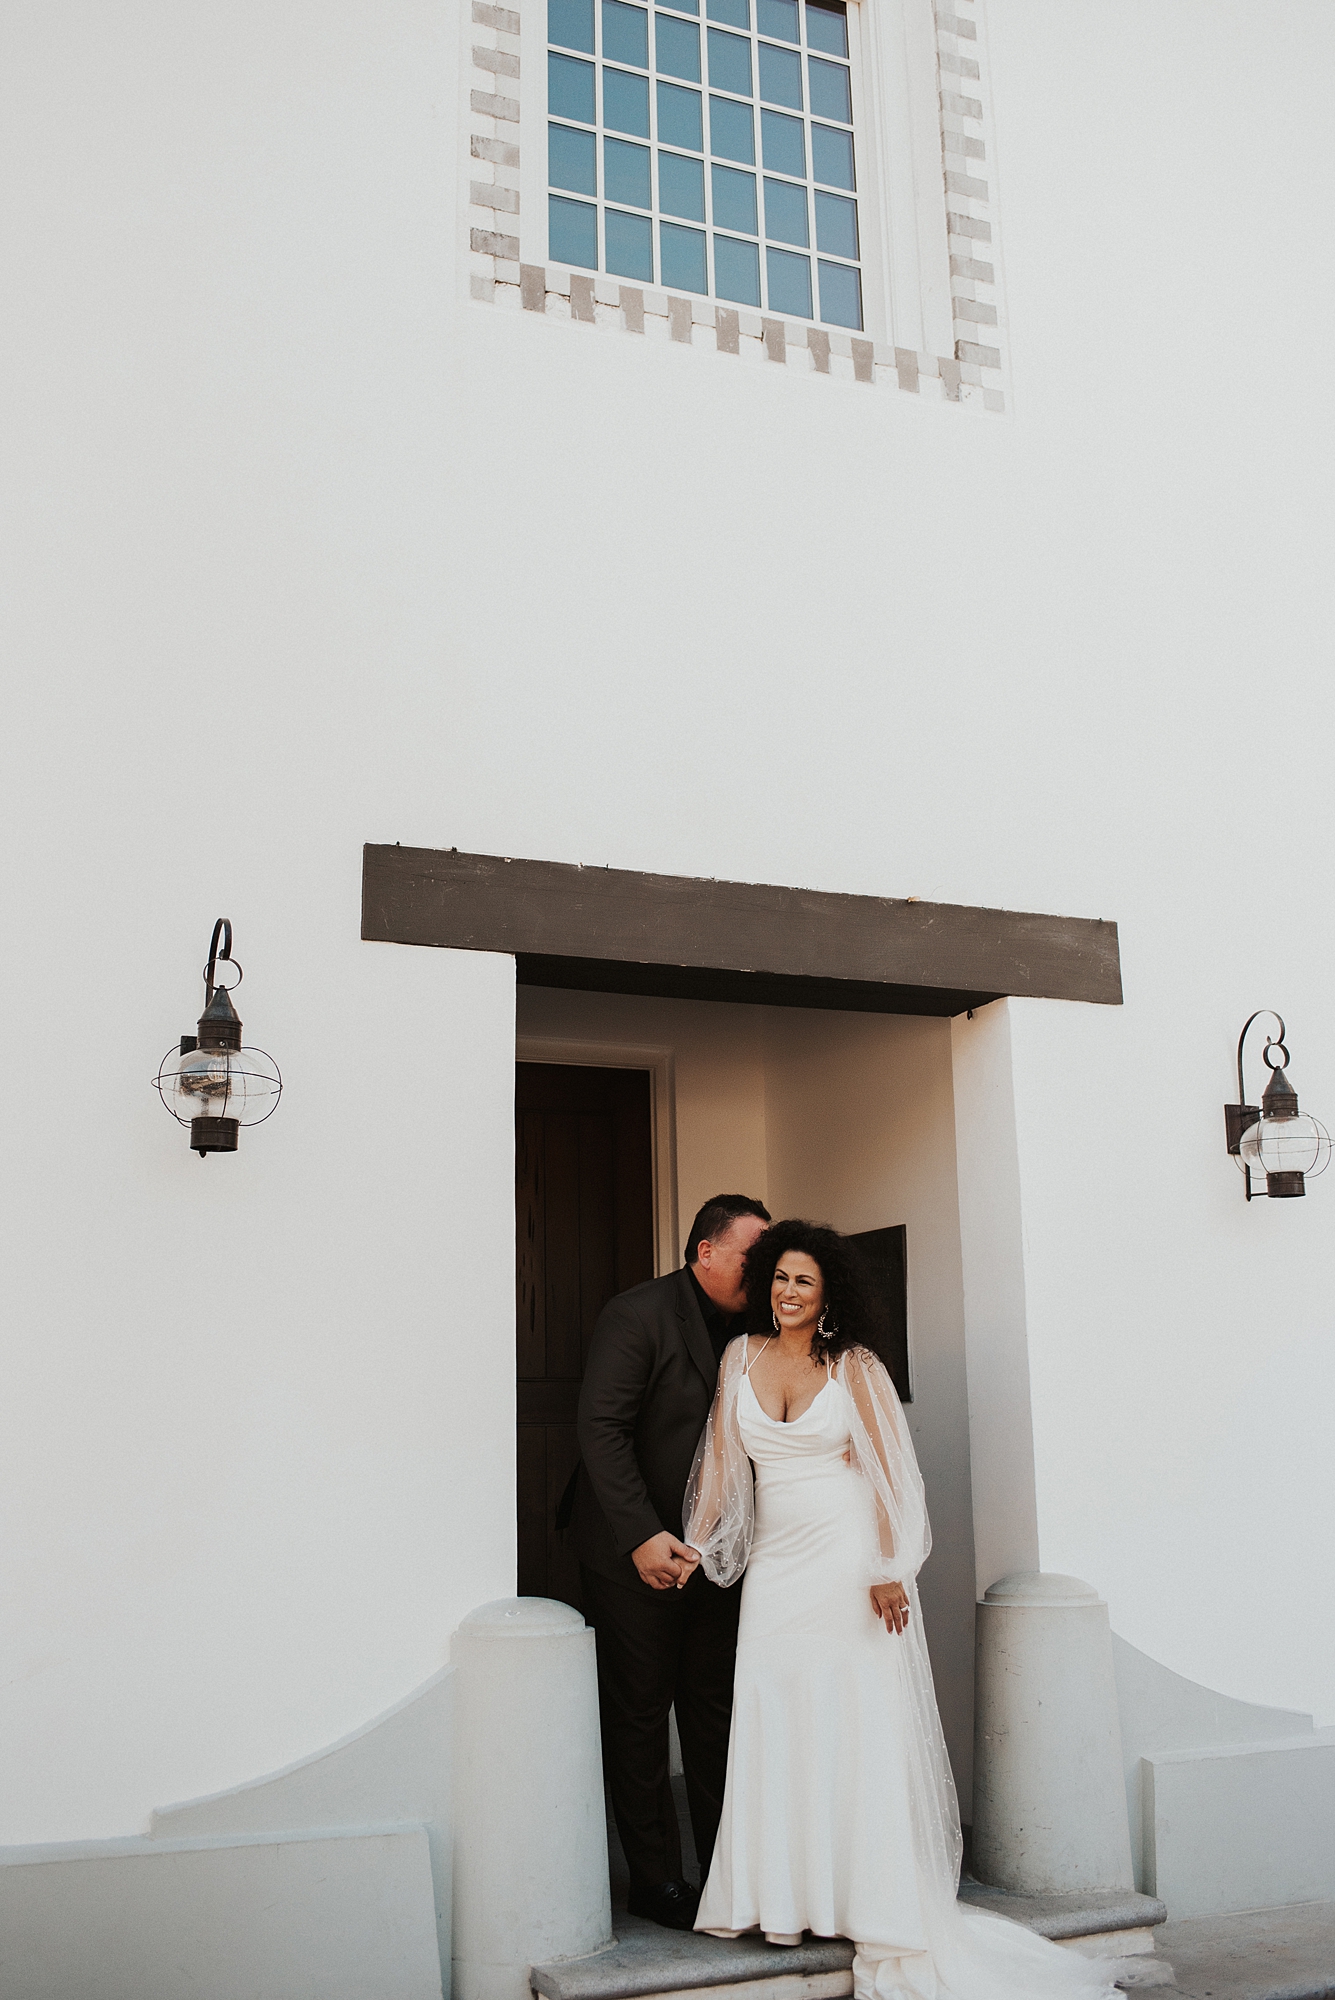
1276, 1148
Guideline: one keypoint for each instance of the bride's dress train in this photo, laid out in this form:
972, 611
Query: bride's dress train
840, 1815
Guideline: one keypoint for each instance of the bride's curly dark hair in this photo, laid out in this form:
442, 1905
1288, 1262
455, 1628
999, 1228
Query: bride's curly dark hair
848, 1313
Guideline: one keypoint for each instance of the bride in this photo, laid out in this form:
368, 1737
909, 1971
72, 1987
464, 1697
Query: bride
840, 1814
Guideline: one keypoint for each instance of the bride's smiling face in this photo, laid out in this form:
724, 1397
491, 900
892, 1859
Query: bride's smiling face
798, 1292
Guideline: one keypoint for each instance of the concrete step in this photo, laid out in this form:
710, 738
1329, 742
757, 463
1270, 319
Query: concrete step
1113, 1923
645, 1959
646, 1962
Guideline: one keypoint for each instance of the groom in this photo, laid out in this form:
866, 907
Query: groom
647, 1390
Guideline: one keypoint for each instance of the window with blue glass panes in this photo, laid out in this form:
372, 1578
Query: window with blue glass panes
712, 155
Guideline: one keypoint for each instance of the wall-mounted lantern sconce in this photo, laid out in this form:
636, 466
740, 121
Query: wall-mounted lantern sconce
213, 1085
1272, 1138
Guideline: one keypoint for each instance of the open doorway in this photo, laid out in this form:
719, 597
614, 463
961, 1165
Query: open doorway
843, 1117
584, 1230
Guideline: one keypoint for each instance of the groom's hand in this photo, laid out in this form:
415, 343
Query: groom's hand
664, 1562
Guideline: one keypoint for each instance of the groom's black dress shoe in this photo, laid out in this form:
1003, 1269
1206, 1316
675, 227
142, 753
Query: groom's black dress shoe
671, 1903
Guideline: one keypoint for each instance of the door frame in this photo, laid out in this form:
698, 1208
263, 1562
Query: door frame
658, 1060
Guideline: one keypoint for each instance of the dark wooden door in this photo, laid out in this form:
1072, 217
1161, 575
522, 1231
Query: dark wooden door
584, 1231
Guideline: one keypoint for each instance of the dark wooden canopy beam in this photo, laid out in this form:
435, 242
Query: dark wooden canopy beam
610, 930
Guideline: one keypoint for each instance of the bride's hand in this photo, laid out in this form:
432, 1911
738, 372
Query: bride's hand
891, 1604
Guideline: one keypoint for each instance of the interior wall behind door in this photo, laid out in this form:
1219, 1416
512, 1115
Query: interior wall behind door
584, 1225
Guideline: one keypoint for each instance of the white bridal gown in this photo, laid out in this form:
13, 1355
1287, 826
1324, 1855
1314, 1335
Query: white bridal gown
840, 1815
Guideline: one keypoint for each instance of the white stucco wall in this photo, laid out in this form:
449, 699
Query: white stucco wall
1180, 1341
303, 551
257, 1406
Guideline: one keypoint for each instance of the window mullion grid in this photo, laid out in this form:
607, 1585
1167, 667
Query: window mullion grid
816, 261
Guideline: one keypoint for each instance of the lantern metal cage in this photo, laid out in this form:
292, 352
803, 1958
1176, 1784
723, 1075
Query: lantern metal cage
1273, 1141
213, 1084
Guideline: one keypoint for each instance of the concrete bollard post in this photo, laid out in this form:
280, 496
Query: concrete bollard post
1049, 1811
530, 1830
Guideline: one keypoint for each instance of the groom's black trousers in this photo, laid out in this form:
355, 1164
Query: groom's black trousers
657, 1648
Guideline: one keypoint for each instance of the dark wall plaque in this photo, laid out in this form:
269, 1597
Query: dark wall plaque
885, 1254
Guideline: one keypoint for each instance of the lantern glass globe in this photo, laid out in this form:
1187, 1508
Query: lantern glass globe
225, 1083
1299, 1145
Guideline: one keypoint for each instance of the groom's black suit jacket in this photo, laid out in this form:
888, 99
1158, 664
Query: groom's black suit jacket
648, 1384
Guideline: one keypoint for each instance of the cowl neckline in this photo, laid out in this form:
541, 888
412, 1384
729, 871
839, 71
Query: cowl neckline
788, 1423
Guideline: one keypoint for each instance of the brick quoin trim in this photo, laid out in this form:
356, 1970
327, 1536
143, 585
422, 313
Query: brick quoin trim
972, 375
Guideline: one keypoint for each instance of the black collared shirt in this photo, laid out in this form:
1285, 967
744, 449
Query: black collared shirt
719, 1325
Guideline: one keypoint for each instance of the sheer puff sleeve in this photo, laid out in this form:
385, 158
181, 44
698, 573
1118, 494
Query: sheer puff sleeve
719, 1513
883, 1452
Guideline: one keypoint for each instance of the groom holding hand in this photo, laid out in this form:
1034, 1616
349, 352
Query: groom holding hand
666, 1634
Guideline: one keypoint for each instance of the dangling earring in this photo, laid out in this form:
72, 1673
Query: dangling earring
820, 1325
775, 1317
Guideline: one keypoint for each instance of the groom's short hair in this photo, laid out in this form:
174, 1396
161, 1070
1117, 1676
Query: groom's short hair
717, 1217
